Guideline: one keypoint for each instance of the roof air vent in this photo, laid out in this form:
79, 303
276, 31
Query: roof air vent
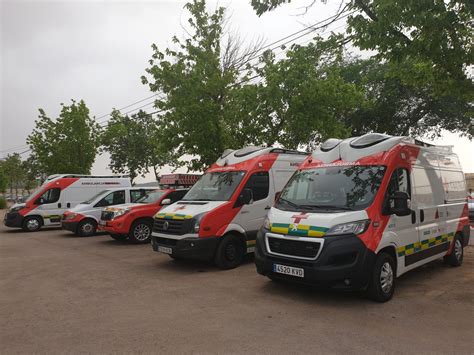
330, 144
246, 151
368, 140
226, 153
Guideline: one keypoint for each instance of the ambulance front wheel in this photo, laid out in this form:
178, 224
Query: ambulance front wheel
457, 254
382, 279
229, 253
31, 224
87, 228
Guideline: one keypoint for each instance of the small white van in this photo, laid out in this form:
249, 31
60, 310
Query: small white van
84, 218
362, 211
59, 193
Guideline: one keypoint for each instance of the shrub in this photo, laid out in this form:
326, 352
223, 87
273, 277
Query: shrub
3, 203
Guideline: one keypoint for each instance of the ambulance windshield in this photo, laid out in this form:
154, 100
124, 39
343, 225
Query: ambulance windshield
215, 186
151, 197
333, 188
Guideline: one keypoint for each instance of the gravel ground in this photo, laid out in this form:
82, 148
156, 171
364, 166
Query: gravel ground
66, 294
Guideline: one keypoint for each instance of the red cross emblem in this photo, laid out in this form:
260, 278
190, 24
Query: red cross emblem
299, 217
179, 208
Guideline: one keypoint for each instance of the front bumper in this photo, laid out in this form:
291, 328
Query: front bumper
114, 227
343, 262
186, 247
13, 220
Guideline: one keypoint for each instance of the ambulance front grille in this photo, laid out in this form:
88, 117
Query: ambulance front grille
293, 248
171, 226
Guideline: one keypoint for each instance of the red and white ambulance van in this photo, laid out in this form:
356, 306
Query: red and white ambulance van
362, 211
219, 217
59, 193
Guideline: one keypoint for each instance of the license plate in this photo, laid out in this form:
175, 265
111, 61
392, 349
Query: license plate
288, 270
102, 223
165, 250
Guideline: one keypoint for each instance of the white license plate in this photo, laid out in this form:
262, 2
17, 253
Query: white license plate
102, 223
165, 250
288, 270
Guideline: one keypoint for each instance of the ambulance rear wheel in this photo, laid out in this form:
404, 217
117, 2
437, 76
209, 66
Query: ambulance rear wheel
229, 253
382, 279
87, 228
31, 224
140, 232
457, 254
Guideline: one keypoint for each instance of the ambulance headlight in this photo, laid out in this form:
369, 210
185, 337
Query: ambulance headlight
356, 227
266, 223
196, 226
121, 212
70, 216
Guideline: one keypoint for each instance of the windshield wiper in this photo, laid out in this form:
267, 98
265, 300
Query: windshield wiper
328, 207
289, 203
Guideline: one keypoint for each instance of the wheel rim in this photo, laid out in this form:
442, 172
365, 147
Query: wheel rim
87, 228
458, 249
230, 252
386, 277
32, 224
141, 232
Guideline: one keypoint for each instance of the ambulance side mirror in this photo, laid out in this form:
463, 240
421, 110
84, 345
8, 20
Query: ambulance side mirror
165, 202
399, 204
244, 198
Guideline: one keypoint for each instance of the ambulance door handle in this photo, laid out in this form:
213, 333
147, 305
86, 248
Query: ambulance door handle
59, 205
68, 204
422, 215
413, 217
242, 212
267, 208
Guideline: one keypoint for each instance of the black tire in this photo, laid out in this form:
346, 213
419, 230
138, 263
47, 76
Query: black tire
457, 254
384, 270
118, 236
86, 228
140, 232
32, 224
229, 253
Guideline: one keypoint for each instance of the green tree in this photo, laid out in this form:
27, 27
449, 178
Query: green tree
428, 44
302, 98
133, 144
399, 108
3, 179
197, 82
68, 144
13, 170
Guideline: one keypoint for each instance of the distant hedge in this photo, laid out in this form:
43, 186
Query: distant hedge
3, 203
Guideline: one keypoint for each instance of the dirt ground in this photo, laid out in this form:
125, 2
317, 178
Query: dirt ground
65, 294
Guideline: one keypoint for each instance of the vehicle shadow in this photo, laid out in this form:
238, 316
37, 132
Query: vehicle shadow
21, 231
186, 266
68, 234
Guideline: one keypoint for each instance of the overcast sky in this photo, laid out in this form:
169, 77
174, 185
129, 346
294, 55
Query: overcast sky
55, 51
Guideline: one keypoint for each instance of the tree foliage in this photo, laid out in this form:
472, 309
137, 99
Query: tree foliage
197, 82
68, 144
302, 98
13, 171
133, 144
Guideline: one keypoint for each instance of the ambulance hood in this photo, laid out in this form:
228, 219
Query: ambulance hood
17, 206
189, 209
310, 223
123, 206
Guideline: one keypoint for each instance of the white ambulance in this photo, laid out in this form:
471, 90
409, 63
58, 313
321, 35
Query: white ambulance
219, 217
59, 193
362, 211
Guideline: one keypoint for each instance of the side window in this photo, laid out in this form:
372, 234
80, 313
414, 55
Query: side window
400, 181
259, 183
136, 194
176, 195
114, 198
49, 196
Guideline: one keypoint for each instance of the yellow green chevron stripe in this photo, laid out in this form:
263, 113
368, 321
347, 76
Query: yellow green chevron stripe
424, 244
300, 230
175, 216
